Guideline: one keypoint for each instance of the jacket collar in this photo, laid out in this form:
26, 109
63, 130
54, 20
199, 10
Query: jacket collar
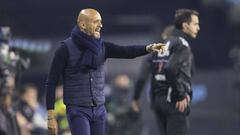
180, 33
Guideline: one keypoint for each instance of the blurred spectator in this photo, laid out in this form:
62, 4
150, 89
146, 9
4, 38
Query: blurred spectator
8, 122
11, 88
167, 31
10, 84
234, 55
121, 120
31, 115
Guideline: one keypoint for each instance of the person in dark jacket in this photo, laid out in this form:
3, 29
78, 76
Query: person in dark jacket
80, 60
171, 72
8, 120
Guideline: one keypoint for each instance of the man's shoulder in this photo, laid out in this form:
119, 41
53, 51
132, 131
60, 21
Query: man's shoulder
177, 41
62, 46
67, 41
69, 45
173, 40
62, 49
183, 41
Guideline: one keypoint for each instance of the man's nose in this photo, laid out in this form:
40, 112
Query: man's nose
100, 25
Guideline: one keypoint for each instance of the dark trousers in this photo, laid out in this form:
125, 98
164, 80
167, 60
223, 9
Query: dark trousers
87, 120
169, 119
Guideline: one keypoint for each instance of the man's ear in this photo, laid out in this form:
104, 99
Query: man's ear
82, 25
185, 25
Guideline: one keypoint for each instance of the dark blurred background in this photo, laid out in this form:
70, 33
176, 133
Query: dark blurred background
38, 27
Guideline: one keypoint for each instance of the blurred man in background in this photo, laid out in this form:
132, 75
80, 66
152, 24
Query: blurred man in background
80, 60
167, 32
171, 71
121, 119
30, 113
8, 121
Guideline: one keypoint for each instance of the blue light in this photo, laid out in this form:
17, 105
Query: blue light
199, 93
39, 46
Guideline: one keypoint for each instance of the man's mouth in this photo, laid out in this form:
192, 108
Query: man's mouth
98, 30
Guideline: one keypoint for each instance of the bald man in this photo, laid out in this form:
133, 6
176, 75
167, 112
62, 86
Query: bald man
79, 61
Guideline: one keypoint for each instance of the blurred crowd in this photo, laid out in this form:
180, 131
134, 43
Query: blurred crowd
22, 113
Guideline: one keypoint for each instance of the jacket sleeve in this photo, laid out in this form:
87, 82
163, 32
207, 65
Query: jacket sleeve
56, 70
178, 59
129, 52
142, 78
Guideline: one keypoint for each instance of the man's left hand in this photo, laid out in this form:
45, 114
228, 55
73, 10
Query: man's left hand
182, 105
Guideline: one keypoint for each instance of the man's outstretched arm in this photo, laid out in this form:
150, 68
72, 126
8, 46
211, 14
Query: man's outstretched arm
129, 52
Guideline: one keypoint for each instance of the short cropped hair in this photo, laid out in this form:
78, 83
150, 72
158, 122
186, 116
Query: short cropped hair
183, 15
